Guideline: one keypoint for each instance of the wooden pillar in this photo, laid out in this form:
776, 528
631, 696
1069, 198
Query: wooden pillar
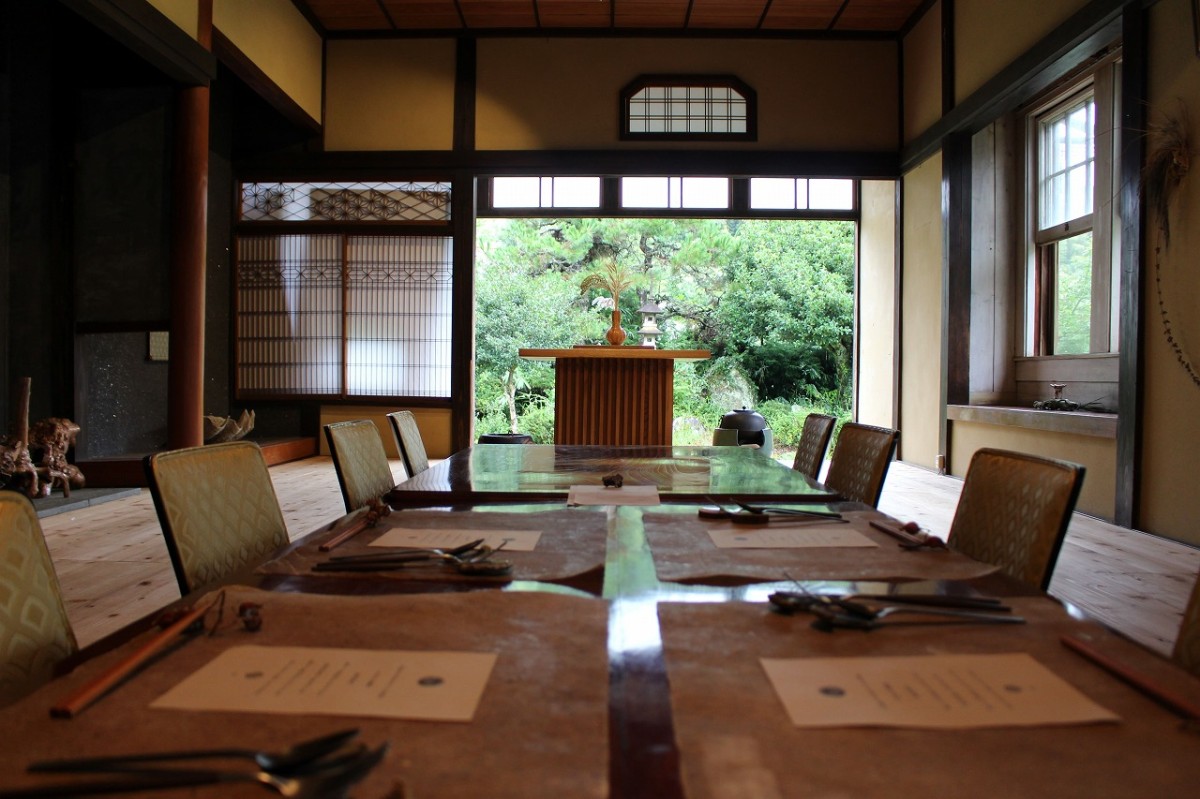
189, 228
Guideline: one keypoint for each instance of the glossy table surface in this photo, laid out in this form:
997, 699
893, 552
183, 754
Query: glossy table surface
505, 472
657, 628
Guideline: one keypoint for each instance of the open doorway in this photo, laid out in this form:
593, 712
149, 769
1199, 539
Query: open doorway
772, 299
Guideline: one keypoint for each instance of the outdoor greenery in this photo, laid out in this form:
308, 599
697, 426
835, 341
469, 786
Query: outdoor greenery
771, 299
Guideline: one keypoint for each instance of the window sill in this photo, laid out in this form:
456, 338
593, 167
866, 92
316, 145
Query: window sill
1082, 423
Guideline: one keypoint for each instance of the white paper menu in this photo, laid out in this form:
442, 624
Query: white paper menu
433, 686
602, 495
822, 534
513, 540
928, 691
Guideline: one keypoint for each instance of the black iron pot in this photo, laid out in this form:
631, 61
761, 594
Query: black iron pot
749, 423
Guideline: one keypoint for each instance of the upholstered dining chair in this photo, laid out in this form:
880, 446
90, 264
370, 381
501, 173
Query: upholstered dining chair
362, 466
35, 633
860, 462
408, 439
217, 508
1013, 512
814, 441
1187, 645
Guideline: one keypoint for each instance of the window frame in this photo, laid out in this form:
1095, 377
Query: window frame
1041, 243
630, 90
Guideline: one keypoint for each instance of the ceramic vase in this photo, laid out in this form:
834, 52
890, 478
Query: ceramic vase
615, 334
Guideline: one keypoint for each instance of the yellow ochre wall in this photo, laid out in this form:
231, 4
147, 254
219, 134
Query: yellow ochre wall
923, 73
278, 39
921, 315
184, 13
876, 292
434, 424
990, 34
559, 93
1170, 503
390, 95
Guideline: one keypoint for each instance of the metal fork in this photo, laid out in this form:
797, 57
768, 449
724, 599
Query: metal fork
321, 784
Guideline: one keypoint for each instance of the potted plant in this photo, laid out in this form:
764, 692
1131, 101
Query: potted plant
613, 278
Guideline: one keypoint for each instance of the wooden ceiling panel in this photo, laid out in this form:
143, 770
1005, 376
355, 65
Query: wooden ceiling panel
724, 14
408, 15
771, 16
486, 14
349, 15
665, 14
804, 15
575, 13
876, 15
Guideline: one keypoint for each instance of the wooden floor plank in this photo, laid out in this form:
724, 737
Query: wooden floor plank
113, 564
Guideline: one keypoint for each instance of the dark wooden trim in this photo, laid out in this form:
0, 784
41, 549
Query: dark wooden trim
462, 335
956, 265
617, 33
100, 328
240, 65
947, 42
897, 316
147, 32
465, 80
436, 164
1132, 328
915, 18
1068, 46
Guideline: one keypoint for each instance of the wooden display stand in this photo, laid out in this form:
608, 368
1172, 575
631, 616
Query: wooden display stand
613, 396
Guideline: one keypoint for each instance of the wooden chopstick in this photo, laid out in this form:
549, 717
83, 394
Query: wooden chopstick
1164, 696
345, 535
896, 532
74, 704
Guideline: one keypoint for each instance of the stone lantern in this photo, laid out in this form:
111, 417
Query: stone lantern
649, 330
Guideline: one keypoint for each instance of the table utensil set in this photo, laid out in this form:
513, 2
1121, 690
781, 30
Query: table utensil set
321, 768
473, 558
852, 612
746, 513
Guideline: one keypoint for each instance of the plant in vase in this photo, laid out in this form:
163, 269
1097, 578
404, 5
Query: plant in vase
613, 278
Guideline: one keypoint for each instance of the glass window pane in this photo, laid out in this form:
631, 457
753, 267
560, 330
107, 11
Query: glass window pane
705, 193
773, 193
576, 192
644, 192
831, 194
1073, 295
689, 110
516, 192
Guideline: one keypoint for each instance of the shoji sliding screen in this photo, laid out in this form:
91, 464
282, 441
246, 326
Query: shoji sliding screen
345, 314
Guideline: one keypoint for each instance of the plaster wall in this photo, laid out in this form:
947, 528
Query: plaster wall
1170, 505
923, 73
564, 93
876, 303
184, 13
434, 424
990, 34
921, 311
279, 40
390, 94
1097, 455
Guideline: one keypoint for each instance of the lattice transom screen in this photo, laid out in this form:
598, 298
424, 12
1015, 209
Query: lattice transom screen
334, 315
346, 202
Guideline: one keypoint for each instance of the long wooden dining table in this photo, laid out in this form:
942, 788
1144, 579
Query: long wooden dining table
631, 652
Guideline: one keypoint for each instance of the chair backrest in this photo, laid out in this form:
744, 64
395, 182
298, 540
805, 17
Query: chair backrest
35, 633
362, 466
217, 508
1013, 512
408, 439
1187, 645
814, 441
860, 462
